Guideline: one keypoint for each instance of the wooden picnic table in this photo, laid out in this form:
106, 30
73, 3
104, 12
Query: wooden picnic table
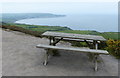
73, 36
55, 37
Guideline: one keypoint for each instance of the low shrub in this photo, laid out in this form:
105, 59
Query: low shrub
114, 47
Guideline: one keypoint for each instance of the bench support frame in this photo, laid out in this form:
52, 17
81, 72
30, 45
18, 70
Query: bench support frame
96, 55
95, 62
95, 59
54, 41
46, 58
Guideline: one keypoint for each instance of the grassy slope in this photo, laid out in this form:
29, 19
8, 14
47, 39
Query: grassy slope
42, 28
107, 35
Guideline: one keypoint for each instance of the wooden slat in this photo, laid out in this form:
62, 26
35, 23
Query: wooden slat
72, 49
74, 36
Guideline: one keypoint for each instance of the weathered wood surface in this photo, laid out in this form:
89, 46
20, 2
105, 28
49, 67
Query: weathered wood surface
74, 36
73, 49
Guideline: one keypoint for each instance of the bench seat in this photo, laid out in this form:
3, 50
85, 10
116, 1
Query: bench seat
85, 50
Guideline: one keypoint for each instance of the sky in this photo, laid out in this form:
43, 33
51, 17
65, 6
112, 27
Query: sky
60, 6
59, 0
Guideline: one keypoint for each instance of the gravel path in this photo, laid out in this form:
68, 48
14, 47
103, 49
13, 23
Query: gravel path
21, 58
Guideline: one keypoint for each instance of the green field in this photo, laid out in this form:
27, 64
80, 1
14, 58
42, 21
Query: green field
42, 28
39, 28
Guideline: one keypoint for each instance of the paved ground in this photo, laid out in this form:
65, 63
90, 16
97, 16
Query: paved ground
21, 58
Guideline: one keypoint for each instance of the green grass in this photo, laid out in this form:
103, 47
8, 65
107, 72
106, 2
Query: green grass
111, 35
81, 32
107, 35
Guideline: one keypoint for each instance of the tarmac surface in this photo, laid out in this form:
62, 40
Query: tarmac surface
20, 57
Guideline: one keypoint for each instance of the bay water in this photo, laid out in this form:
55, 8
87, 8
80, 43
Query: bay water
95, 22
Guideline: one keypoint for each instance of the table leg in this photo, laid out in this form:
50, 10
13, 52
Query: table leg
46, 58
50, 38
95, 62
96, 56
96, 45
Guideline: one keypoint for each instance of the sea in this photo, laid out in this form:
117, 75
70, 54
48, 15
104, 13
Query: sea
93, 22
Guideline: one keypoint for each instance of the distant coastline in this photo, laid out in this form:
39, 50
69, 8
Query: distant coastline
13, 17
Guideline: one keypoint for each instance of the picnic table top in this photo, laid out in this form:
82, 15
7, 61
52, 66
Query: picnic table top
73, 36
